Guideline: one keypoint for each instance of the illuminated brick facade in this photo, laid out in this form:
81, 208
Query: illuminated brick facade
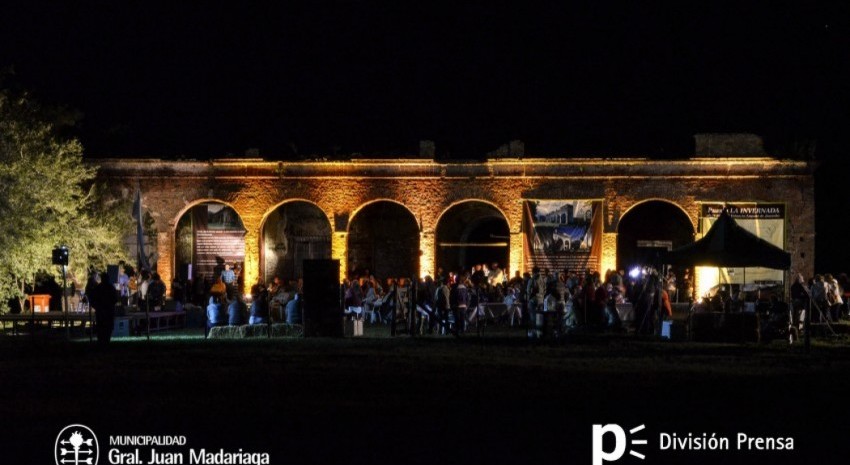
254, 188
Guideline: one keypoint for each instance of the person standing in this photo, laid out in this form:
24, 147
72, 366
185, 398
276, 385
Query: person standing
442, 302
496, 276
178, 293
228, 276
799, 301
156, 293
103, 298
536, 292
833, 297
460, 302
143, 289
819, 297
123, 285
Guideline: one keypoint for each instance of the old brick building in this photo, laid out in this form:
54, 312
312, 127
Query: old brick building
405, 217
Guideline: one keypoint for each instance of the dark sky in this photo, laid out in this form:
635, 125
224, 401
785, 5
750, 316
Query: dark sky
212, 79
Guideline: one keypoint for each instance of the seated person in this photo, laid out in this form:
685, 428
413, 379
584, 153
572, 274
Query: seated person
218, 289
259, 309
293, 310
280, 299
215, 314
236, 311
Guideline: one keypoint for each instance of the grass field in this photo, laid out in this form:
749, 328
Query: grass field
496, 399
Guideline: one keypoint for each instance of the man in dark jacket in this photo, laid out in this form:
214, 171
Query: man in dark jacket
156, 293
103, 298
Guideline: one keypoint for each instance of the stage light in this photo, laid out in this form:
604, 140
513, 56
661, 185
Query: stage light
635, 272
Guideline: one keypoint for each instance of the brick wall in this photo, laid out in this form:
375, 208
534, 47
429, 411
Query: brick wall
254, 188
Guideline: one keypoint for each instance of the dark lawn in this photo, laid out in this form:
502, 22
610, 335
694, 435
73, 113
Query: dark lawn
433, 400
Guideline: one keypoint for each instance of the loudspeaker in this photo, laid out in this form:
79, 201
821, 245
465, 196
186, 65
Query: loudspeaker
322, 310
60, 256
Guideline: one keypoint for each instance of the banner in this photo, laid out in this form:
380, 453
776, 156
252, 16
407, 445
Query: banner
563, 234
765, 220
219, 238
141, 255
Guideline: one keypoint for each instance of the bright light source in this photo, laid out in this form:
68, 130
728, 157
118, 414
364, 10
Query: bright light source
706, 278
635, 272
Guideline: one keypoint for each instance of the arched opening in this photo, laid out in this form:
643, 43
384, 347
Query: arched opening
209, 236
383, 237
649, 229
293, 232
470, 233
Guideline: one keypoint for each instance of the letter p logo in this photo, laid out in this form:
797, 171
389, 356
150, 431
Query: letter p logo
599, 454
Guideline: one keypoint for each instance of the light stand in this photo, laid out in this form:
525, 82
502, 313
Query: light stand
60, 257
91, 319
148, 313
65, 299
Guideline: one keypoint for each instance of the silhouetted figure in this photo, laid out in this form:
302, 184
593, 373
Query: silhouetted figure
156, 293
103, 298
259, 309
236, 311
293, 310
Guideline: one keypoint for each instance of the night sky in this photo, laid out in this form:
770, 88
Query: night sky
215, 79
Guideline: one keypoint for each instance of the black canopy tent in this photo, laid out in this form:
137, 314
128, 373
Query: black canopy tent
727, 245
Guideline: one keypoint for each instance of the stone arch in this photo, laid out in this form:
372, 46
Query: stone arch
650, 226
287, 237
472, 231
383, 237
632, 206
488, 202
368, 203
188, 206
200, 250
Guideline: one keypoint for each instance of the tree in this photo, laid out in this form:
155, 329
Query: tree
48, 198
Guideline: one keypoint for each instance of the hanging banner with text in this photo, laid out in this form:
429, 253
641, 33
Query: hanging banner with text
563, 234
219, 238
765, 220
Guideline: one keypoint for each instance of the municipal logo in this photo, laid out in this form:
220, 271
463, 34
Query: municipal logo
76, 445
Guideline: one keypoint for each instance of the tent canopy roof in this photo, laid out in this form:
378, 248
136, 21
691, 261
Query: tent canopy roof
727, 244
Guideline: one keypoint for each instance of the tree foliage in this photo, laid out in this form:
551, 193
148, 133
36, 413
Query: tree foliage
48, 198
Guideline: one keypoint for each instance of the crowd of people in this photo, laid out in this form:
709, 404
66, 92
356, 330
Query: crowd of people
451, 302
278, 301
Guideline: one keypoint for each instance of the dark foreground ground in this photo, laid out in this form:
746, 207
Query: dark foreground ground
435, 400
